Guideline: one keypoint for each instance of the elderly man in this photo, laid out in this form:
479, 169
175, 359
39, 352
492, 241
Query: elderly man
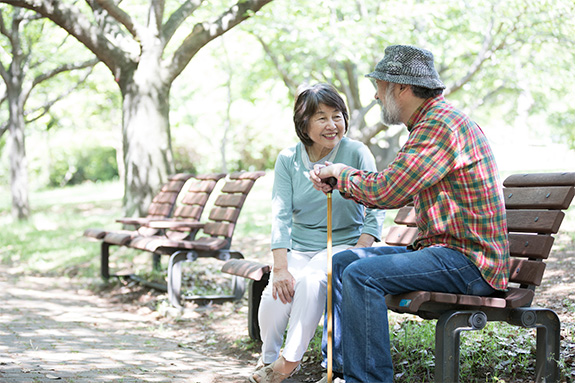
447, 169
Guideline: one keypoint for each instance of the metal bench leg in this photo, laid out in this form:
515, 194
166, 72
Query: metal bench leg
104, 260
175, 276
548, 327
548, 342
447, 333
255, 290
156, 262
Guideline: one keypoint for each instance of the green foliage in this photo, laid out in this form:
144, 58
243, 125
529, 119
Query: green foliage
485, 355
564, 125
185, 160
77, 165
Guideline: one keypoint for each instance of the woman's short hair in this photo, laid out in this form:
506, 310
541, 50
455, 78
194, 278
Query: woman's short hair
307, 103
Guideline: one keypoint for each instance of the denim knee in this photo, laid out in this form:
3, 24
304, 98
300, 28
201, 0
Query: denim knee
343, 259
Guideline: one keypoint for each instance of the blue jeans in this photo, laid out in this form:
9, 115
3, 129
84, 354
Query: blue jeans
361, 279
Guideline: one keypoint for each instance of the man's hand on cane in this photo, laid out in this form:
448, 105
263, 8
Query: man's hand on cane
324, 177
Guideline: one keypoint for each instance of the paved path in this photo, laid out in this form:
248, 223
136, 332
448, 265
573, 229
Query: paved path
50, 331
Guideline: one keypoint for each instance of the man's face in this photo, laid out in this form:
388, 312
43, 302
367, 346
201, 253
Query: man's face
390, 109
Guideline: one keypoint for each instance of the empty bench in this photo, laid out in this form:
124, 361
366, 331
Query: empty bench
535, 205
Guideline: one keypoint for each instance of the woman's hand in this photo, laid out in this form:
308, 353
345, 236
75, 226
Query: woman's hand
365, 240
283, 285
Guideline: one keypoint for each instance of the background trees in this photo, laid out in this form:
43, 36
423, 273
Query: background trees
495, 57
23, 68
508, 64
145, 49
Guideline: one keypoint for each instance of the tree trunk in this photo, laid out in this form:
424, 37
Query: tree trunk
18, 164
146, 136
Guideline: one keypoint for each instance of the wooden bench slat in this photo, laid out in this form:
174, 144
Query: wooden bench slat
159, 210
553, 197
534, 221
230, 200
405, 216
224, 214
540, 179
195, 199
415, 301
247, 269
526, 272
530, 245
240, 186
400, 235
223, 229
204, 186
167, 197
188, 212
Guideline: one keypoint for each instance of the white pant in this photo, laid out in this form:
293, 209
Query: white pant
309, 270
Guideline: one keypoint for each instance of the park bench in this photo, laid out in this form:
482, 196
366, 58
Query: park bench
161, 207
215, 243
535, 205
193, 202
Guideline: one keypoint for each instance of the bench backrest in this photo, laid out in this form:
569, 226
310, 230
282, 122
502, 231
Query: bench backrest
224, 215
534, 204
193, 203
163, 203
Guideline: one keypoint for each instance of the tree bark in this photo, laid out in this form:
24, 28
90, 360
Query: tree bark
18, 162
147, 151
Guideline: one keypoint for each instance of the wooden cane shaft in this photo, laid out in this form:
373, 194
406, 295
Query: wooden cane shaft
329, 295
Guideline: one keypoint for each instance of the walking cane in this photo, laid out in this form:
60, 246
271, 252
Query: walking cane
332, 181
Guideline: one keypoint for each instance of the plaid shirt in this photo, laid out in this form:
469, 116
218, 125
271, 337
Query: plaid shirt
447, 168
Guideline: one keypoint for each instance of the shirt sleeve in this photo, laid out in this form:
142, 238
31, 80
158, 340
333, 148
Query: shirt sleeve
281, 205
428, 155
373, 223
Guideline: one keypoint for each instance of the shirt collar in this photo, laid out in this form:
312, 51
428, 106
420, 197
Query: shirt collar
422, 110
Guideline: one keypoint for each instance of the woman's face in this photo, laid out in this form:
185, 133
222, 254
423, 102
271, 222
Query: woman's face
326, 128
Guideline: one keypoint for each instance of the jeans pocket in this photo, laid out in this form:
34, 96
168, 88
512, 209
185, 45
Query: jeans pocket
479, 287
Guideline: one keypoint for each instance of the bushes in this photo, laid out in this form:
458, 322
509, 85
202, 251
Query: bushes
83, 164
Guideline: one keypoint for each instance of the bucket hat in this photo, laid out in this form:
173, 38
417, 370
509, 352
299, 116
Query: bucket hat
406, 64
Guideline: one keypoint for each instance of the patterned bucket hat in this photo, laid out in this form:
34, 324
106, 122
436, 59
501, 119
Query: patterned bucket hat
406, 64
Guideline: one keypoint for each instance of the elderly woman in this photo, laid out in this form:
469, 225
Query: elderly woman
295, 298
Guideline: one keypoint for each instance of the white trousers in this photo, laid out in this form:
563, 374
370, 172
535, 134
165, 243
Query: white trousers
301, 317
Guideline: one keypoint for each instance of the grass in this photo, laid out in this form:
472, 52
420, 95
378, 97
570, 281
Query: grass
52, 243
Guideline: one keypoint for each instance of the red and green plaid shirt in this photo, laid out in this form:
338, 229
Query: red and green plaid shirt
447, 168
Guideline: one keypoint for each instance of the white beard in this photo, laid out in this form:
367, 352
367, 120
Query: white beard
390, 111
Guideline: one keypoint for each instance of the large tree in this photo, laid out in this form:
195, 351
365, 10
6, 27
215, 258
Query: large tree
490, 54
145, 54
23, 68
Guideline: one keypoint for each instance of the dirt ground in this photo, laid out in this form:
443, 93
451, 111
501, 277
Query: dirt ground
54, 329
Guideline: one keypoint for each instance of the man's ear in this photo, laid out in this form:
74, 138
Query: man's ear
403, 88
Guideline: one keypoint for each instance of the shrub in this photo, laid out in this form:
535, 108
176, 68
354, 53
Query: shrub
83, 164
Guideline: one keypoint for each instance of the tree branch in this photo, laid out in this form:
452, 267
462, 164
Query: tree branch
178, 17
72, 20
487, 50
288, 81
3, 29
155, 16
45, 108
119, 15
203, 33
64, 68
